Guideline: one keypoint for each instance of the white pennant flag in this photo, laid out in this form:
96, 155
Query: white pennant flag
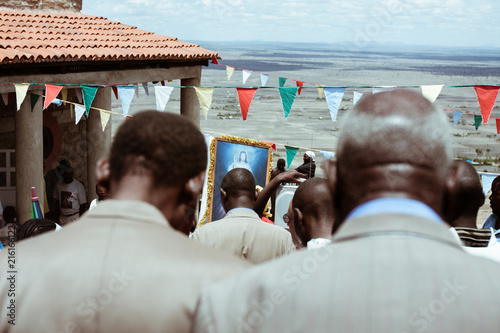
376, 90
104, 119
79, 111
333, 97
229, 72
146, 88
21, 91
356, 97
126, 94
205, 98
162, 97
246, 75
263, 79
431, 92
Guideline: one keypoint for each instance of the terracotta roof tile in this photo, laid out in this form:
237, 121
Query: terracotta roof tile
38, 37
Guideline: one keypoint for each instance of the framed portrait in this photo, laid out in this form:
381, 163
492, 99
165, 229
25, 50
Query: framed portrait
227, 153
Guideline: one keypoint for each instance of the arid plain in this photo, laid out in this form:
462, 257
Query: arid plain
309, 125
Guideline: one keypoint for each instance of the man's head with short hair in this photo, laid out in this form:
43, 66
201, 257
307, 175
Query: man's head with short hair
158, 158
313, 210
463, 207
393, 144
238, 189
167, 145
495, 195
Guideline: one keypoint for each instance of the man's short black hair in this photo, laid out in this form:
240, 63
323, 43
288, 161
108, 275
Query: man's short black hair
169, 146
239, 182
313, 197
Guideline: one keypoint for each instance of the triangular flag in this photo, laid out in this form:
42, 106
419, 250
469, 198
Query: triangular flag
300, 84
115, 90
273, 145
320, 91
214, 60
356, 96
79, 111
498, 125
146, 88
5, 97
64, 94
162, 96
246, 75
486, 96
88, 96
245, 96
162, 83
287, 95
21, 91
376, 90
263, 79
57, 102
79, 95
104, 119
290, 154
431, 92
205, 98
333, 99
229, 72
126, 94
137, 90
456, 117
327, 154
282, 81
477, 121
51, 92
34, 99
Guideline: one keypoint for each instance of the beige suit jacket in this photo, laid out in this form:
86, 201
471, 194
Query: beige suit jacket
383, 273
120, 268
242, 233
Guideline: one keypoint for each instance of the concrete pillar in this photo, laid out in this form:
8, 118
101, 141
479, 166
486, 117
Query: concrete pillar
98, 141
190, 106
29, 156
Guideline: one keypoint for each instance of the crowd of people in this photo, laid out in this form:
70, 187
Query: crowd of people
387, 242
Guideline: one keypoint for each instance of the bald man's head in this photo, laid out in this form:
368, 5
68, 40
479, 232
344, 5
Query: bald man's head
393, 144
239, 182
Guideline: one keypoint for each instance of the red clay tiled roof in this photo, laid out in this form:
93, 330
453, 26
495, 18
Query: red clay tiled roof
39, 37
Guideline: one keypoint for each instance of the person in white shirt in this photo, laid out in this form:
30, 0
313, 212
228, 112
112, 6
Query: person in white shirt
313, 213
71, 198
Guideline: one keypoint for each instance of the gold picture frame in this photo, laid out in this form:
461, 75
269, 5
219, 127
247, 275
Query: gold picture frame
229, 152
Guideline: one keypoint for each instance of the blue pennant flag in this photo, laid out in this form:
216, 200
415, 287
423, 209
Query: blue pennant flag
456, 117
333, 98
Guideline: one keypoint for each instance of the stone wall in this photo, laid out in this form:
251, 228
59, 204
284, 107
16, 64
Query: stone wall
43, 5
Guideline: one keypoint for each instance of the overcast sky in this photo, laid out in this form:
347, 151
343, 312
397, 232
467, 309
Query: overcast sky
428, 22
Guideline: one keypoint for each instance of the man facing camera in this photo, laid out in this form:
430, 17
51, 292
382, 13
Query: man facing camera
241, 232
393, 265
128, 266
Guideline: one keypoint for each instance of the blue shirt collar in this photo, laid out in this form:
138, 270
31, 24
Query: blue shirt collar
241, 208
394, 206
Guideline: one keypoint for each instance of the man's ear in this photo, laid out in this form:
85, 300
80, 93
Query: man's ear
299, 225
450, 211
102, 174
331, 176
195, 184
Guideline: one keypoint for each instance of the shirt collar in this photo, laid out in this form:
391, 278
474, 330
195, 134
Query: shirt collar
394, 206
241, 208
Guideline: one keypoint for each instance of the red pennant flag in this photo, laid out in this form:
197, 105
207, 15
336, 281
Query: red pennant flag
115, 90
214, 60
300, 84
51, 92
245, 96
273, 145
486, 96
163, 83
498, 125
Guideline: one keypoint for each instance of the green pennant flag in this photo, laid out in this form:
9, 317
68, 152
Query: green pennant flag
287, 95
477, 121
282, 81
34, 98
88, 96
290, 154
